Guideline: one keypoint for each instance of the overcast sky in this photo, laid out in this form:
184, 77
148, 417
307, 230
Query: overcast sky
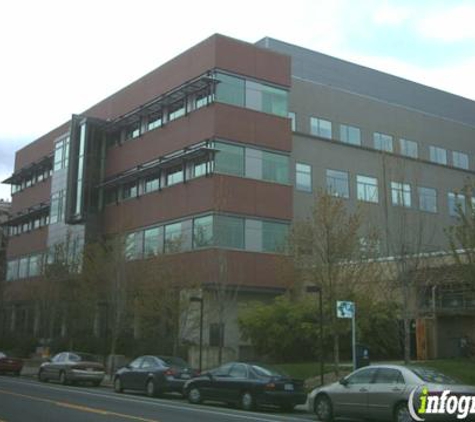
61, 57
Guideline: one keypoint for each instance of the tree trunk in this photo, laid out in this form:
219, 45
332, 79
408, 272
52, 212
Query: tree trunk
407, 340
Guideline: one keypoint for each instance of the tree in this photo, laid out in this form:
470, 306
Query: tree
283, 330
407, 235
326, 251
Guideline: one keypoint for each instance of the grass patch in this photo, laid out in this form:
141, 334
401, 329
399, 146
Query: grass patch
461, 369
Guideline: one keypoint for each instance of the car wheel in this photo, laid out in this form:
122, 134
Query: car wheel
323, 408
118, 385
194, 395
401, 413
62, 378
150, 388
247, 401
42, 376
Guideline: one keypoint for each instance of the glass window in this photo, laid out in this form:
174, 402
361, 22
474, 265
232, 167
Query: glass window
427, 199
133, 131
216, 339
135, 364
152, 183
460, 160
350, 134
338, 183
200, 168
154, 121
151, 242
367, 188
230, 89
23, 268
174, 175
133, 246
239, 370
383, 142
363, 376
456, 202
303, 177
176, 110
173, 237
202, 99
12, 270
61, 154
253, 163
389, 376
401, 194
274, 236
266, 98
57, 207
229, 159
274, 100
34, 266
408, 148
129, 190
438, 155
293, 123
320, 127
275, 167
229, 231
251, 94
203, 231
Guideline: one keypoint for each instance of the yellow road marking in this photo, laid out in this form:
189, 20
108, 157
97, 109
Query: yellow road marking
79, 407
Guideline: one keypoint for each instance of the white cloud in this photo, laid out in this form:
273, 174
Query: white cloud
392, 15
449, 24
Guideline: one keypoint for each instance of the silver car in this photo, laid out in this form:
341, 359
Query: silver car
382, 393
72, 367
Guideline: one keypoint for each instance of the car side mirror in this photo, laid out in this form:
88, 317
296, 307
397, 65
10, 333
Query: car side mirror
344, 382
209, 375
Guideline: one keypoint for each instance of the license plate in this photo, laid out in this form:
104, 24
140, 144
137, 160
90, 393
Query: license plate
289, 387
185, 376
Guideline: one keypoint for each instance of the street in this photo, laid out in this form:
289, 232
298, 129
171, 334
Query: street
23, 400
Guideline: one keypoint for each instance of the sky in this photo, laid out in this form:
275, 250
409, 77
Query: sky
59, 57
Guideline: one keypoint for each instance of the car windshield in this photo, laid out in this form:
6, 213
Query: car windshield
267, 371
77, 357
174, 361
433, 375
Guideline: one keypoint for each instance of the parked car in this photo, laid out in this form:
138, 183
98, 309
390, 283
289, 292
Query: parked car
154, 375
248, 385
72, 367
380, 392
9, 364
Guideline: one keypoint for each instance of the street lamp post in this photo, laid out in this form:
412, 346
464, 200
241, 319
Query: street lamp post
318, 289
200, 300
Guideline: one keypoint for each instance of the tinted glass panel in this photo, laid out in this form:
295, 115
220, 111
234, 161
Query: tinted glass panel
230, 89
229, 159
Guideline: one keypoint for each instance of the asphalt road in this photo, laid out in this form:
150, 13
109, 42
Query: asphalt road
24, 400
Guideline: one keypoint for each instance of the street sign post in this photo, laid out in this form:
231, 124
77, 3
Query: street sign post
346, 309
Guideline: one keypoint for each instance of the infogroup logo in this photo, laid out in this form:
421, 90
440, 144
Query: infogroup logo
446, 403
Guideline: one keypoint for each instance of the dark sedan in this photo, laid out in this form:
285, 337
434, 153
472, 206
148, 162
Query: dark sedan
154, 375
72, 367
10, 364
248, 385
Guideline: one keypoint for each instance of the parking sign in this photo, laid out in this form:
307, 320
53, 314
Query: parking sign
345, 309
